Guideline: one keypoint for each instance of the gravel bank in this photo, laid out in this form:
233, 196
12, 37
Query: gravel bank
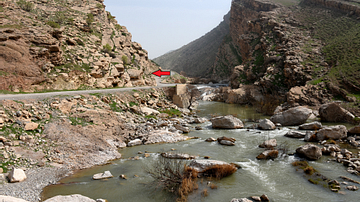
37, 179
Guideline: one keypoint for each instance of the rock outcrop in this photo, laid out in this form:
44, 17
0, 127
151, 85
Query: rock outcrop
292, 117
226, 122
68, 45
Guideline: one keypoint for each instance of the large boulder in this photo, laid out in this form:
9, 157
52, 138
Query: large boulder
104, 175
226, 141
294, 134
355, 130
269, 144
134, 74
182, 128
266, 124
205, 165
17, 175
268, 154
226, 122
70, 198
311, 126
293, 116
148, 111
309, 151
134, 143
11, 199
332, 132
333, 112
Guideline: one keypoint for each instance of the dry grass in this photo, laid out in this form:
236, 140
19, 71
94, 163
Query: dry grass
220, 171
304, 166
213, 186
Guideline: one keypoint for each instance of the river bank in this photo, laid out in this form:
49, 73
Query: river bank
62, 134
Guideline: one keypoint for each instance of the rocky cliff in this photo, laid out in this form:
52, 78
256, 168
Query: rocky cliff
196, 58
72, 44
303, 53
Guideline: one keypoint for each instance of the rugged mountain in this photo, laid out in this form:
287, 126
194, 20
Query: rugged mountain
308, 51
195, 58
67, 44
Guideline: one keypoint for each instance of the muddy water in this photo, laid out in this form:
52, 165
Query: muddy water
278, 179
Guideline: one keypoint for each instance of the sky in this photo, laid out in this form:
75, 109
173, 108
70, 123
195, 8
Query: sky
161, 26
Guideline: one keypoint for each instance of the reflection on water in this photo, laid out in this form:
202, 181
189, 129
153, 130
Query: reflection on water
278, 179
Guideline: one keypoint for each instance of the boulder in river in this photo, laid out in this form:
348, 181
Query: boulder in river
226, 141
134, 143
292, 117
355, 130
104, 175
177, 156
11, 199
210, 139
269, 144
332, 132
200, 120
311, 126
309, 151
266, 124
268, 154
214, 168
333, 112
17, 175
226, 122
294, 134
70, 198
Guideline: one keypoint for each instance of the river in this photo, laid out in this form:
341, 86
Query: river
278, 179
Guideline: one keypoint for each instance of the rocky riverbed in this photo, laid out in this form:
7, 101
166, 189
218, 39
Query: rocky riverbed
62, 134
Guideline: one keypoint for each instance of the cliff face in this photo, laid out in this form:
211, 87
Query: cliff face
196, 58
67, 45
279, 48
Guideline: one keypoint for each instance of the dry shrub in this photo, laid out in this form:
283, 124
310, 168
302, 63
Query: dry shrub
304, 166
204, 193
213, 186
220, 171
273, 154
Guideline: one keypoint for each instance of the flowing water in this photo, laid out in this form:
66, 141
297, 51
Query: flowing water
278, 179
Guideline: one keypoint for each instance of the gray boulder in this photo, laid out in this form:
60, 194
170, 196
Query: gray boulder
202, 165
70, 198
332, 132
269, 144
105, 175
266, 124
333, 112
226, 141
134, 143
241, 200
292, 117
295, 134
311, 126
226, 122
309, 151
17, 175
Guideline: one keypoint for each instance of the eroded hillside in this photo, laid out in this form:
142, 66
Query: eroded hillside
67, 44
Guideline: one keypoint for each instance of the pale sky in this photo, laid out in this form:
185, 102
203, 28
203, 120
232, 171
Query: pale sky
164, 25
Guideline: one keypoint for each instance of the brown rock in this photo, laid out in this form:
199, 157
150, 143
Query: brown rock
268, 154
31, 126
332, 112
309, 151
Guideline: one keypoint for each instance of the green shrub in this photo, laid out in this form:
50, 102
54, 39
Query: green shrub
26, 6
99, 6
107, 48
53, 24
90, 18
171, 112
118, 27
124, 58
133, 104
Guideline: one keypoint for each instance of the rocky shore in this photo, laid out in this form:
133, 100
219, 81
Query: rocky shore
52, 137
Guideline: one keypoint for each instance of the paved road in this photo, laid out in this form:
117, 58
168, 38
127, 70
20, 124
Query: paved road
78, 92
